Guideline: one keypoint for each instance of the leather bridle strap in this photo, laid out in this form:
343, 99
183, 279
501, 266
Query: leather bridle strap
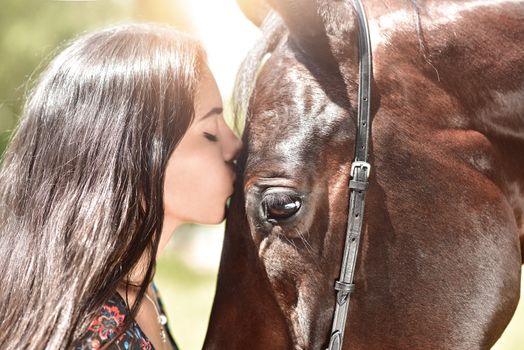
358, 184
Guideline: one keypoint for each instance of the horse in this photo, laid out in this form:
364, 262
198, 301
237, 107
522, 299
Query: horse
442, 239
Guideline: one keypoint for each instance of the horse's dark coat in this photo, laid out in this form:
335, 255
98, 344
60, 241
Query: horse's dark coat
440, 259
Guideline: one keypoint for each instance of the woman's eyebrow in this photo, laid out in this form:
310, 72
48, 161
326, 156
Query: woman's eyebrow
216, 110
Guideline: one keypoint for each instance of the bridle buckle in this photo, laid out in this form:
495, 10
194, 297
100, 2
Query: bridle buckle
360, 164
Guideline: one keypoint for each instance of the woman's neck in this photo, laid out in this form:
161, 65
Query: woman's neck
137, 275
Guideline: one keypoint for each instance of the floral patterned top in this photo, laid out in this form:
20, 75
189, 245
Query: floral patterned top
108, 324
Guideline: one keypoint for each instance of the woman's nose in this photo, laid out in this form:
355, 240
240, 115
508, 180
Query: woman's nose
233, 148
232, 145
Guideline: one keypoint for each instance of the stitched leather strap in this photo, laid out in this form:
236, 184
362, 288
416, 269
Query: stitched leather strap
358, 185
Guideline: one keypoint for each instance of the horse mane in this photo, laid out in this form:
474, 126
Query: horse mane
273, 32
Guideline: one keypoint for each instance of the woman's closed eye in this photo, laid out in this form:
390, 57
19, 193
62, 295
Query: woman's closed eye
210, 137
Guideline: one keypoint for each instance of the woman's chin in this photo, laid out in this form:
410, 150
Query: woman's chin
216, 219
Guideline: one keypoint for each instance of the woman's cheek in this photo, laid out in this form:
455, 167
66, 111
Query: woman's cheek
209, 197
180, 179
196, 188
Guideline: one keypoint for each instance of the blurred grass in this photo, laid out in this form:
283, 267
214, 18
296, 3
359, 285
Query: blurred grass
187, 295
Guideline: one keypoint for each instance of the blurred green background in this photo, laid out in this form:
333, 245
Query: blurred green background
32, 30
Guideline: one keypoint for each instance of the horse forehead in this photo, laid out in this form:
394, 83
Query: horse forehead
288, 129
291, 100
284, 81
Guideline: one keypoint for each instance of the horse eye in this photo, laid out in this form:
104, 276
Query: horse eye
280, 206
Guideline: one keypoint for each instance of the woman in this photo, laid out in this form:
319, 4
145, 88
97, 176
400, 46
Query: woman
121, 141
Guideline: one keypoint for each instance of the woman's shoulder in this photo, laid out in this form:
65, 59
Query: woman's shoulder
107, 325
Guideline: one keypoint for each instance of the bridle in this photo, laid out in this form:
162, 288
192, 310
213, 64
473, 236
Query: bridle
358, 184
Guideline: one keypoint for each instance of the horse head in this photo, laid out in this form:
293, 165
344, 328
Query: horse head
287, 220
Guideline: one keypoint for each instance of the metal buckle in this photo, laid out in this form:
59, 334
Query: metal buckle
361, 164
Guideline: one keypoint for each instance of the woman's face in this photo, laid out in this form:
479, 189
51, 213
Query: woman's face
199, 175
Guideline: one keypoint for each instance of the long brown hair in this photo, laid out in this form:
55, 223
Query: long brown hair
81, 182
